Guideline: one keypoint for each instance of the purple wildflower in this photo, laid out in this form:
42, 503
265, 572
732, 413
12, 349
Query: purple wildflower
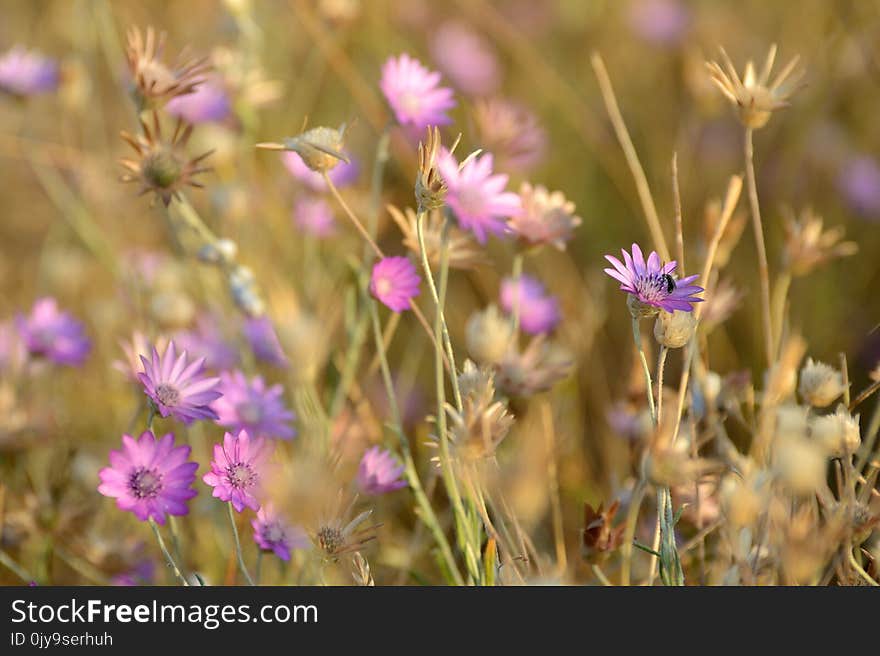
477, 195
24, 73
272, 533
661, 22
413, 93
142, 573
151, 478
395, 282
651, 282
237, 470
859, 182
341, 175
251, 406
207, 341
314, 216
263, 340
379, 472
538, 311
177, 387
209, 103
53, 334
466, 57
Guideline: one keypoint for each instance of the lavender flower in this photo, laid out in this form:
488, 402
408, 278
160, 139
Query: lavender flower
251, 406
272, 533
651, 283
207, 341
379, 472
395, 282
341, 175
176, 386
314, 216
208, 103
237, 470
538, 312
661, 22
413, 93
511, 132
55, 335
24, 73
466, 57
477, 195
151, 478
859, 182
263, 340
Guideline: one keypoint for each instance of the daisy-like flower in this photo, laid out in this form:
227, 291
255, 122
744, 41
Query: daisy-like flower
379, 472
395, 282
237, 470
263, 340
538, 312
206, 340
342, 175
208, 103
807, 246
651, 284
314, 215
511, 132
477, 195
546, 217
50, 333
150, 477
24, 73
177, 387
249, 405
414, 94
466, 57
272, 533
463, 252
755, 96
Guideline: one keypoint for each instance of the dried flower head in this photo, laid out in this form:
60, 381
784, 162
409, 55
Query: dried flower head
161, 166
338, 535
546, 217
807, 246
482, 424
536, 369
800, 464
838, 433
430, 188
674, 329
755, 96
511, 132
155, 83
599, 537
321, 148
820, 384
488, 334
463, 252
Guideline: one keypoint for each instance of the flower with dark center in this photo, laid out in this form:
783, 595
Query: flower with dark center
176, 386
237, 470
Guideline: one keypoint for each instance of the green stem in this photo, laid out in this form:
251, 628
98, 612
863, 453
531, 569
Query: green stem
168, 558
517, 277
637, 338
238, 553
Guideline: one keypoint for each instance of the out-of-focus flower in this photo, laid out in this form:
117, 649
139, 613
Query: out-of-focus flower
263, 340
342, 175
208, 103
488, 335
661, 22
139, 345
721, 303
838, 433
799, 463
154, 83
756, 97
151, 478
50, 333
599, 537
466, 58
511, 132
207, 341
321, 149
651, 283
536, 369
24, 73
161, 166
237, 470
807, 246
245, 291
538, 312
859, 182
731, 235
142, 573
177, 387
477, 195
463, 252
394, 281
820, 384
628, 422
414, 94
313, 215
272, 533
251, 406
546, 217
379, 472
338, 535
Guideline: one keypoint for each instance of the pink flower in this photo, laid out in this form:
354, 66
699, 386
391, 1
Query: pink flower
177, 387
55, 335
413, 93
477, 195
538, 311
379, 472
263, 340
209, 103
314, 216
395, 282
151, 478
466, 57
652, 283
237, 470
251, 406
272, 533
24, 73
341, 175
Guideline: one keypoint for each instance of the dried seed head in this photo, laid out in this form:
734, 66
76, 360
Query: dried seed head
536, 369
430, 189
837, 433
546, 218
482, 425
743, 499
463, 250
488, 335
807, 246
338, 535
674, 330
599, 537
799, 463
321, 148
820, 384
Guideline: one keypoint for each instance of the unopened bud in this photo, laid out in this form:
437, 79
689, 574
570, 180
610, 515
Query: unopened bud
674, 330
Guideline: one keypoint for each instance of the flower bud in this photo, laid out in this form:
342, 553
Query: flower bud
837, 433
674, 330
820, 384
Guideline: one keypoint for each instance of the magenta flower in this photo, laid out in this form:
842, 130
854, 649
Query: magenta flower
272, 533
207, 341
263, 340
24, 73
314, 216
413, 93
395, 282
661, 22
177, 387
237, 470
209, 103
379, 472
538, 311
151, 478
477, 195
341, 175
55, 335
251, 406
466, 57
652, 283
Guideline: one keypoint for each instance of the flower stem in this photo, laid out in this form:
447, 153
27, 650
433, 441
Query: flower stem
517, 299
238, 553
637, 338
167, 554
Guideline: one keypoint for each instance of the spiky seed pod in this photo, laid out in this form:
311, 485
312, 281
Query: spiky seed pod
430, 189
674, 330
807, 246
320, 148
